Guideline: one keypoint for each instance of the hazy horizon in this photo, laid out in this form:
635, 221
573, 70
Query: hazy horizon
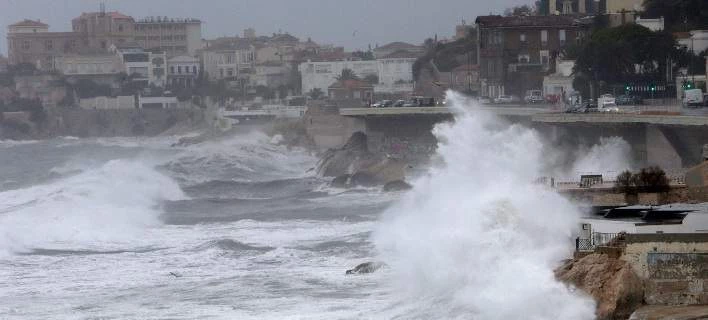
343, 23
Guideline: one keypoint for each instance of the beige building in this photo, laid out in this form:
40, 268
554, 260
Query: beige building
30, 41
617, 6
102, 68
101, 30
174, 36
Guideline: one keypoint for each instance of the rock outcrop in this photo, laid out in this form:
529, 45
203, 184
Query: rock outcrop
336, 162
367, 267
398, 185
354, 165
617, 290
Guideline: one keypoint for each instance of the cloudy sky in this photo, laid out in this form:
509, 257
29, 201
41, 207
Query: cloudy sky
353, 24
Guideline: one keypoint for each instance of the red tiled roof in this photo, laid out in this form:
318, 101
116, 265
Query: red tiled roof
118, 15
29, 23
526, 21
401, 54
112, 14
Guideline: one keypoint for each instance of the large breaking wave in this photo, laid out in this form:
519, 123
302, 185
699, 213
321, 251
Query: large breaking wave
100, 207
476, 238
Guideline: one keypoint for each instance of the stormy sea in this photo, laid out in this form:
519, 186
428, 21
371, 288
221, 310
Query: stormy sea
241, 227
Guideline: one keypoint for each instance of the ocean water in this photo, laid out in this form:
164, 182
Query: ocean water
242, 228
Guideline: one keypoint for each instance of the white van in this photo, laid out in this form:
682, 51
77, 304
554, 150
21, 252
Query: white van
693, 97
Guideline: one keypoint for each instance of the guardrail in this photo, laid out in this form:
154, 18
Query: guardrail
597, 239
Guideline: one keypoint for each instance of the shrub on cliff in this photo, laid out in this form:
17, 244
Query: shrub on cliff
651, 179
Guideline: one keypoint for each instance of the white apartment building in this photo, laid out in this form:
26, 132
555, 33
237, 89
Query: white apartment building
174, 36
323, 74
89, 65
182, 71
697, 42
561, 81
395, 72
271, 74
144, 65
228, 60
100, 68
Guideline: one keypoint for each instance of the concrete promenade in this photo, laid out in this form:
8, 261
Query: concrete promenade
507, 110
537, 114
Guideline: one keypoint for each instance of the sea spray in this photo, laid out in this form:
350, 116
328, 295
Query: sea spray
610, 157
104, 206
476, 238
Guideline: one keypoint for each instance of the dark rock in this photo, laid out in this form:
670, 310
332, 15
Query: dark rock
363, 179
367, 267
340, 181
336, 162
398, 185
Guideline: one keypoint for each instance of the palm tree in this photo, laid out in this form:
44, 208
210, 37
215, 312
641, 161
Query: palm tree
347, 74
316, 93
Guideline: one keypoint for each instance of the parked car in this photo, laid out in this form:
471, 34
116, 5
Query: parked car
399, 103
606, 100
386, 103
484, 100
504, 99
608, 108
626, 99
693, 97
534, 96
411, 103
377, 104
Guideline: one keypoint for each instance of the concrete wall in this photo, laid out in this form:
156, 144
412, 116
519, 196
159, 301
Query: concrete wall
330, 130
122, 122
674, 266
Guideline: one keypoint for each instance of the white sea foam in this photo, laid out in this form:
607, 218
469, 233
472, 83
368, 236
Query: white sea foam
476, 239
109, 204
610, 157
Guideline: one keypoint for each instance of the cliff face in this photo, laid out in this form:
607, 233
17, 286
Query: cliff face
353, 164
611, 281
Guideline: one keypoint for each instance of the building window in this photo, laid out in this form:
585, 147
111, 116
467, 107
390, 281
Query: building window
561, 36
194, 69
524, 58
544, 37
544, 57
179, 69
120, 28
522, 37
172, 69
48, 44
103, 45
25, 45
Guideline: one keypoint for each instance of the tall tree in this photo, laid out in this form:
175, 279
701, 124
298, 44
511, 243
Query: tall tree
617, 54
679, 15
347, 74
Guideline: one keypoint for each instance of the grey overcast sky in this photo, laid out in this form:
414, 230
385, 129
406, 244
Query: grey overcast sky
352, 24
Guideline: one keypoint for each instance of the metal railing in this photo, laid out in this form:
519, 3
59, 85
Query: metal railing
596, 239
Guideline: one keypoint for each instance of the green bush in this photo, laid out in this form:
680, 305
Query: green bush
651, 179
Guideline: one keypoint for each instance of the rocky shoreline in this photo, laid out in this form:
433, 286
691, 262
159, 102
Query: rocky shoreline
354, 165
